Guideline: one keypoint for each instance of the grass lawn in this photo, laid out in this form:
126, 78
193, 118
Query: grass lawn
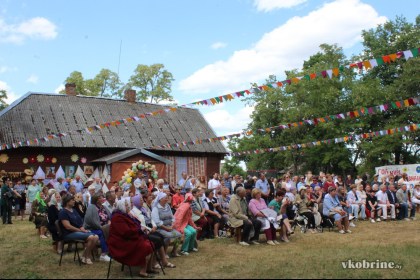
24, 255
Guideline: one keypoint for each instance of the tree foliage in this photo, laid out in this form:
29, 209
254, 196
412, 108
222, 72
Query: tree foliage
322, 97
152, 82
3, 97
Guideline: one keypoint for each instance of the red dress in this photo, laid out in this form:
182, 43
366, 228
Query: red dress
127, 243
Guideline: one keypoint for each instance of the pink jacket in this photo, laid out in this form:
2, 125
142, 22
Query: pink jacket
183, 217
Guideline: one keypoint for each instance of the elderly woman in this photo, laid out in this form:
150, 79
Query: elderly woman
145, 216
97, 217
185, 225
199, 214
54, 207
303, 204
212, 215
416, 195
258, 206
127, 242
164, 219
39, 211
73, 228
223, 201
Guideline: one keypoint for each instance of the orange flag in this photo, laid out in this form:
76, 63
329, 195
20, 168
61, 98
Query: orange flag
336, 72
367, 64
393, 56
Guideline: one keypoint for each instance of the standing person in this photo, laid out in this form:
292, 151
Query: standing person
264, 187
214, 184
33, 189
184, 183
140, 182
185, 225
349, 181
20, 202
59, 186
227, 181
78, 184
7, 195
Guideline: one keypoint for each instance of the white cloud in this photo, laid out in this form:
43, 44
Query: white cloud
224, 122
11, 96
269, 5
34, 28
59, 88
33, 79
286, 47
218, 45
4, 69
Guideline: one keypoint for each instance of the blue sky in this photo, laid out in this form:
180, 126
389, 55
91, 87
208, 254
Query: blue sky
211, 47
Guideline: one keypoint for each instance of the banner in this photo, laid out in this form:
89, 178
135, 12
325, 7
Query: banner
412, 170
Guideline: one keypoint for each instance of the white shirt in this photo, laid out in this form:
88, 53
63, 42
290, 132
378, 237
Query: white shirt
213, 184
138, 182
382, 197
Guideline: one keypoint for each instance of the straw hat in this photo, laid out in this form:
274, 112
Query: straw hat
28, 178
29, 172
3, 173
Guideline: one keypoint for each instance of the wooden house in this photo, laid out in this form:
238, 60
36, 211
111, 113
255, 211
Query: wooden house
36, 115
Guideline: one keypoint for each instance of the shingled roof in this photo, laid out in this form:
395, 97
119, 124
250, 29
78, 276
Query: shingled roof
36, 115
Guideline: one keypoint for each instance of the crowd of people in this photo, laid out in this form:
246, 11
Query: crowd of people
146, 223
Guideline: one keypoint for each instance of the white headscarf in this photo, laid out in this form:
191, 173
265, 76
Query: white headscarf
53, 201
124, 205
159, 197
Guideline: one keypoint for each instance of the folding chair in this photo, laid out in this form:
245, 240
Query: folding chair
68, 242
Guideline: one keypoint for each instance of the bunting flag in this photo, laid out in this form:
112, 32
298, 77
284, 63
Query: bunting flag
219, 99
330, 73
351, 114
344, 139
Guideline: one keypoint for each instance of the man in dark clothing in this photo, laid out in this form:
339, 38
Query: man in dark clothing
7, 194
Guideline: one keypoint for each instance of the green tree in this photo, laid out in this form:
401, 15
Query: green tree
233, 167
152, 83
106, 83
3, 97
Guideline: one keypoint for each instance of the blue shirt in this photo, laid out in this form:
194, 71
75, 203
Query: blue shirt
263, 185
79, 186
187, 185
330, 203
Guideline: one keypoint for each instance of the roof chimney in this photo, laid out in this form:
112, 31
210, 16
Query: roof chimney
130, 95
71, 89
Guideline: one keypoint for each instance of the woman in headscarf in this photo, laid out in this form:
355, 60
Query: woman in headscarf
158, 240
79, 206
127, 243
185, 225
54, 207
39, 211
164, 220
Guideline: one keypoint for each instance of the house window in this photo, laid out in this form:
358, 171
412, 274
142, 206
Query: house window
181, 166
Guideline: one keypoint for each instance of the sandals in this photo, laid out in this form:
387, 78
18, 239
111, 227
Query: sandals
170, 265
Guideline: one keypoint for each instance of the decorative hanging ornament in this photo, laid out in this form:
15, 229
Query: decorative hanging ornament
25, 160
83, 160
40, 158
74, 158
54, 160
4, 158
48, 160
32, 159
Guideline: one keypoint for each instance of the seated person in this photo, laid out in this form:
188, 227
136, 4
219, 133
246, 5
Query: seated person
384, 204
303, 204
354, 199
164, 219
371, 204
109, 204
403, 199
95, 219
199, 214
145, 217
332, 208
73, 228
127, 242
416, 197
279, 204
177, 198
238, 209
212, 215
185, 225
39, 211
53, 211
258, 209
223, 209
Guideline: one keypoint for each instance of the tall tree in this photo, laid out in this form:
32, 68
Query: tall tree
3, 97
153, 83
